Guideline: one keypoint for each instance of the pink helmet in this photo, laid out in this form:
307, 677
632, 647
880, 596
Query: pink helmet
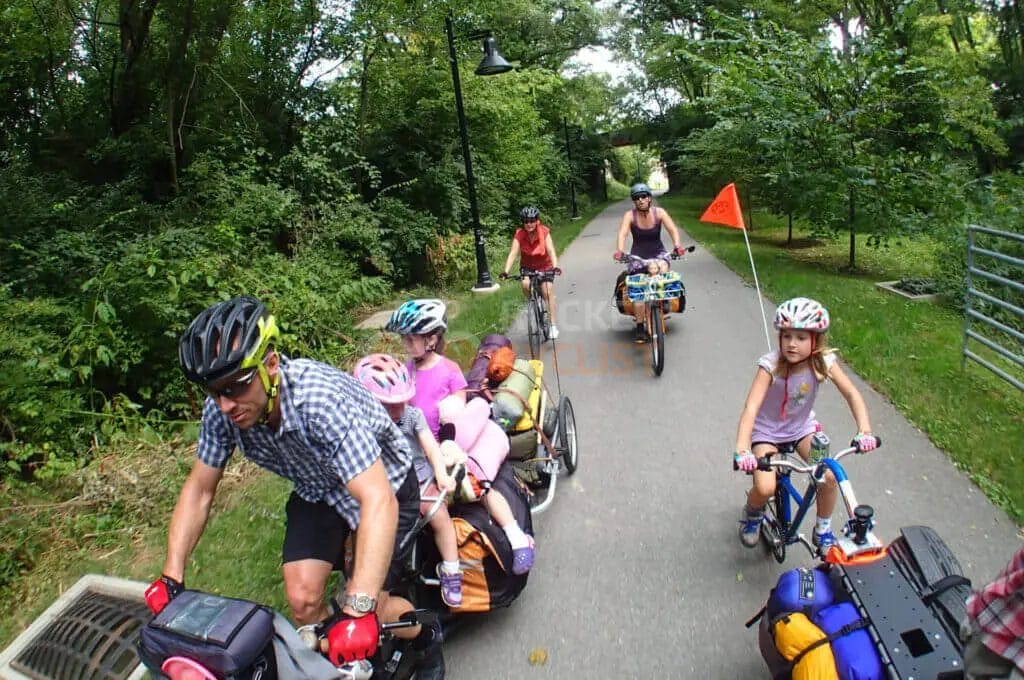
385, 377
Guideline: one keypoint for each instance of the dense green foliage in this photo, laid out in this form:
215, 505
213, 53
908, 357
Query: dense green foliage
883, 117
156, 156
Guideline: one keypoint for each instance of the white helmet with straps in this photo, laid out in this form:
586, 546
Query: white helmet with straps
802, 314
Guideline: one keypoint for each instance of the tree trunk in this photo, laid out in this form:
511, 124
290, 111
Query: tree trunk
135, 21
175, 94
851, 219
789, 239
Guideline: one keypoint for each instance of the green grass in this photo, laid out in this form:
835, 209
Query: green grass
909, 351
116, 521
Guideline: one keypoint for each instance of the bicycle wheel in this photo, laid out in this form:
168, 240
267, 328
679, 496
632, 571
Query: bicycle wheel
544, 317
565, 437
657, 340
532, 330
773, 528
542, 312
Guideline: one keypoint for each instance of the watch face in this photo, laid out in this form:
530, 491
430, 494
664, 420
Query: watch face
362, 603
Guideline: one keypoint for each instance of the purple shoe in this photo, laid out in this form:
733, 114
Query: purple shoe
451, 587
522, 558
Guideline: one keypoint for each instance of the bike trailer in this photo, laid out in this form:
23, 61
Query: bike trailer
231, 638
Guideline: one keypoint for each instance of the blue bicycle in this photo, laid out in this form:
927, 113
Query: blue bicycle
910, 593
786, 510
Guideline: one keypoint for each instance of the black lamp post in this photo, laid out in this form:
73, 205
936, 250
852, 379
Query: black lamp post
572, 175
492, 64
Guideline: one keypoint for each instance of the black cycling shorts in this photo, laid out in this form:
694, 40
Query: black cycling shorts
783, 447
316, 530
544, 277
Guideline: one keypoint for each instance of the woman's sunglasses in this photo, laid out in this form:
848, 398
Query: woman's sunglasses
233, 388
640, 197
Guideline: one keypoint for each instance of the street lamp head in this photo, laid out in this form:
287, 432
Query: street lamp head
493, 63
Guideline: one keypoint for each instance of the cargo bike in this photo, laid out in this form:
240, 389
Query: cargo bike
869, 610
660, 293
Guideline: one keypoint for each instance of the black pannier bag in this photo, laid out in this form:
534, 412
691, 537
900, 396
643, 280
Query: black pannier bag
230, 637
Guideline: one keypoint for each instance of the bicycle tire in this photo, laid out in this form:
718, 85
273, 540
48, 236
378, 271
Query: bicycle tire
657, 340
532, 332
773, 528
543, 318
565, 439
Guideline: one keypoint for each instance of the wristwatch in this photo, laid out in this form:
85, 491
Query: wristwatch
361, 603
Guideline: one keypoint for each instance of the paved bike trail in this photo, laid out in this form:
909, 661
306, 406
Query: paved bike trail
639, 572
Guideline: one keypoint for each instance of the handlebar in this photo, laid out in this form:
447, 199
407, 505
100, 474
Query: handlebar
766, 463
630, 257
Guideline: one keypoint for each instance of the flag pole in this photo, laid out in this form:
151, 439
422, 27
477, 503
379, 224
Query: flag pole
726, 209
757, 287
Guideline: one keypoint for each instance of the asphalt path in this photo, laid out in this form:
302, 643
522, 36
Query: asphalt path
639, 571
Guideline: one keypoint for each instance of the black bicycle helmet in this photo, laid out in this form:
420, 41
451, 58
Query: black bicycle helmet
639, 189
225, 338
529, 213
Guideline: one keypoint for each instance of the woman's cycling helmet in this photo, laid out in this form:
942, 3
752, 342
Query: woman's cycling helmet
802, 314
418, 317
639, 189
228, 337
529, 213
386, 378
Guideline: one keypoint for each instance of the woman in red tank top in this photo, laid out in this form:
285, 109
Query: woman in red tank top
533, 246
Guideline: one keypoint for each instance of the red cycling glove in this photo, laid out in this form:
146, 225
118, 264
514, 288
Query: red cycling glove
351, 639
162, 591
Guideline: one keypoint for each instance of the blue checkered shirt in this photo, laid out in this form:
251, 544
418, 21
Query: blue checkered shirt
331, 430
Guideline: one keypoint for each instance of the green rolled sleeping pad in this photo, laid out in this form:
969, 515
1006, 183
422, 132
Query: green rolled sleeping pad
507, 409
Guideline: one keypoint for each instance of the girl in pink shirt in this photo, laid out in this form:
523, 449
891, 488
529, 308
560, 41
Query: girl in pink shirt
778, 413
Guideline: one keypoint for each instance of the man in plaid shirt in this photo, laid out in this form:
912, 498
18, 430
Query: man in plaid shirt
994, 629
350, 465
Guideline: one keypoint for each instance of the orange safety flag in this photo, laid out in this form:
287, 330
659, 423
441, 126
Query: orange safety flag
725, 209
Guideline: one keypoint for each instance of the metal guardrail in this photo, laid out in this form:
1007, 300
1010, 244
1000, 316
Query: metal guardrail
973, 295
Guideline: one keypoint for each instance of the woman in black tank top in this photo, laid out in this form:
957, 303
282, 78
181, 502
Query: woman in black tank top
644, 223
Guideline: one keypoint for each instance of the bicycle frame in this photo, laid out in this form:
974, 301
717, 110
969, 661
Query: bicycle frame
788, 497
538, 316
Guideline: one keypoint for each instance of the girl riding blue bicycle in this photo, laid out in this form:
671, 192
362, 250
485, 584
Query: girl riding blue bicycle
778, 412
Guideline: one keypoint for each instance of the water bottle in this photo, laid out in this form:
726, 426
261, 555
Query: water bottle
819, 446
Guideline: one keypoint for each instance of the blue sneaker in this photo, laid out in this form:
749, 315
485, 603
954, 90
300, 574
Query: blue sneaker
823, 541
750, 528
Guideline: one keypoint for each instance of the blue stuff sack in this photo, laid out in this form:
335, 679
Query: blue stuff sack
856, 655
800, 590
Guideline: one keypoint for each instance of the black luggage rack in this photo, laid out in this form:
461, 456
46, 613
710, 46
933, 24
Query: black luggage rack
914, 598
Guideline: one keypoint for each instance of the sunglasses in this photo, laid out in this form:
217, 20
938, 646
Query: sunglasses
234, 388
640, 197
531, 220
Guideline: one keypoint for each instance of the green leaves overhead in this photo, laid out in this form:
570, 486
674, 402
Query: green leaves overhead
859, 116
